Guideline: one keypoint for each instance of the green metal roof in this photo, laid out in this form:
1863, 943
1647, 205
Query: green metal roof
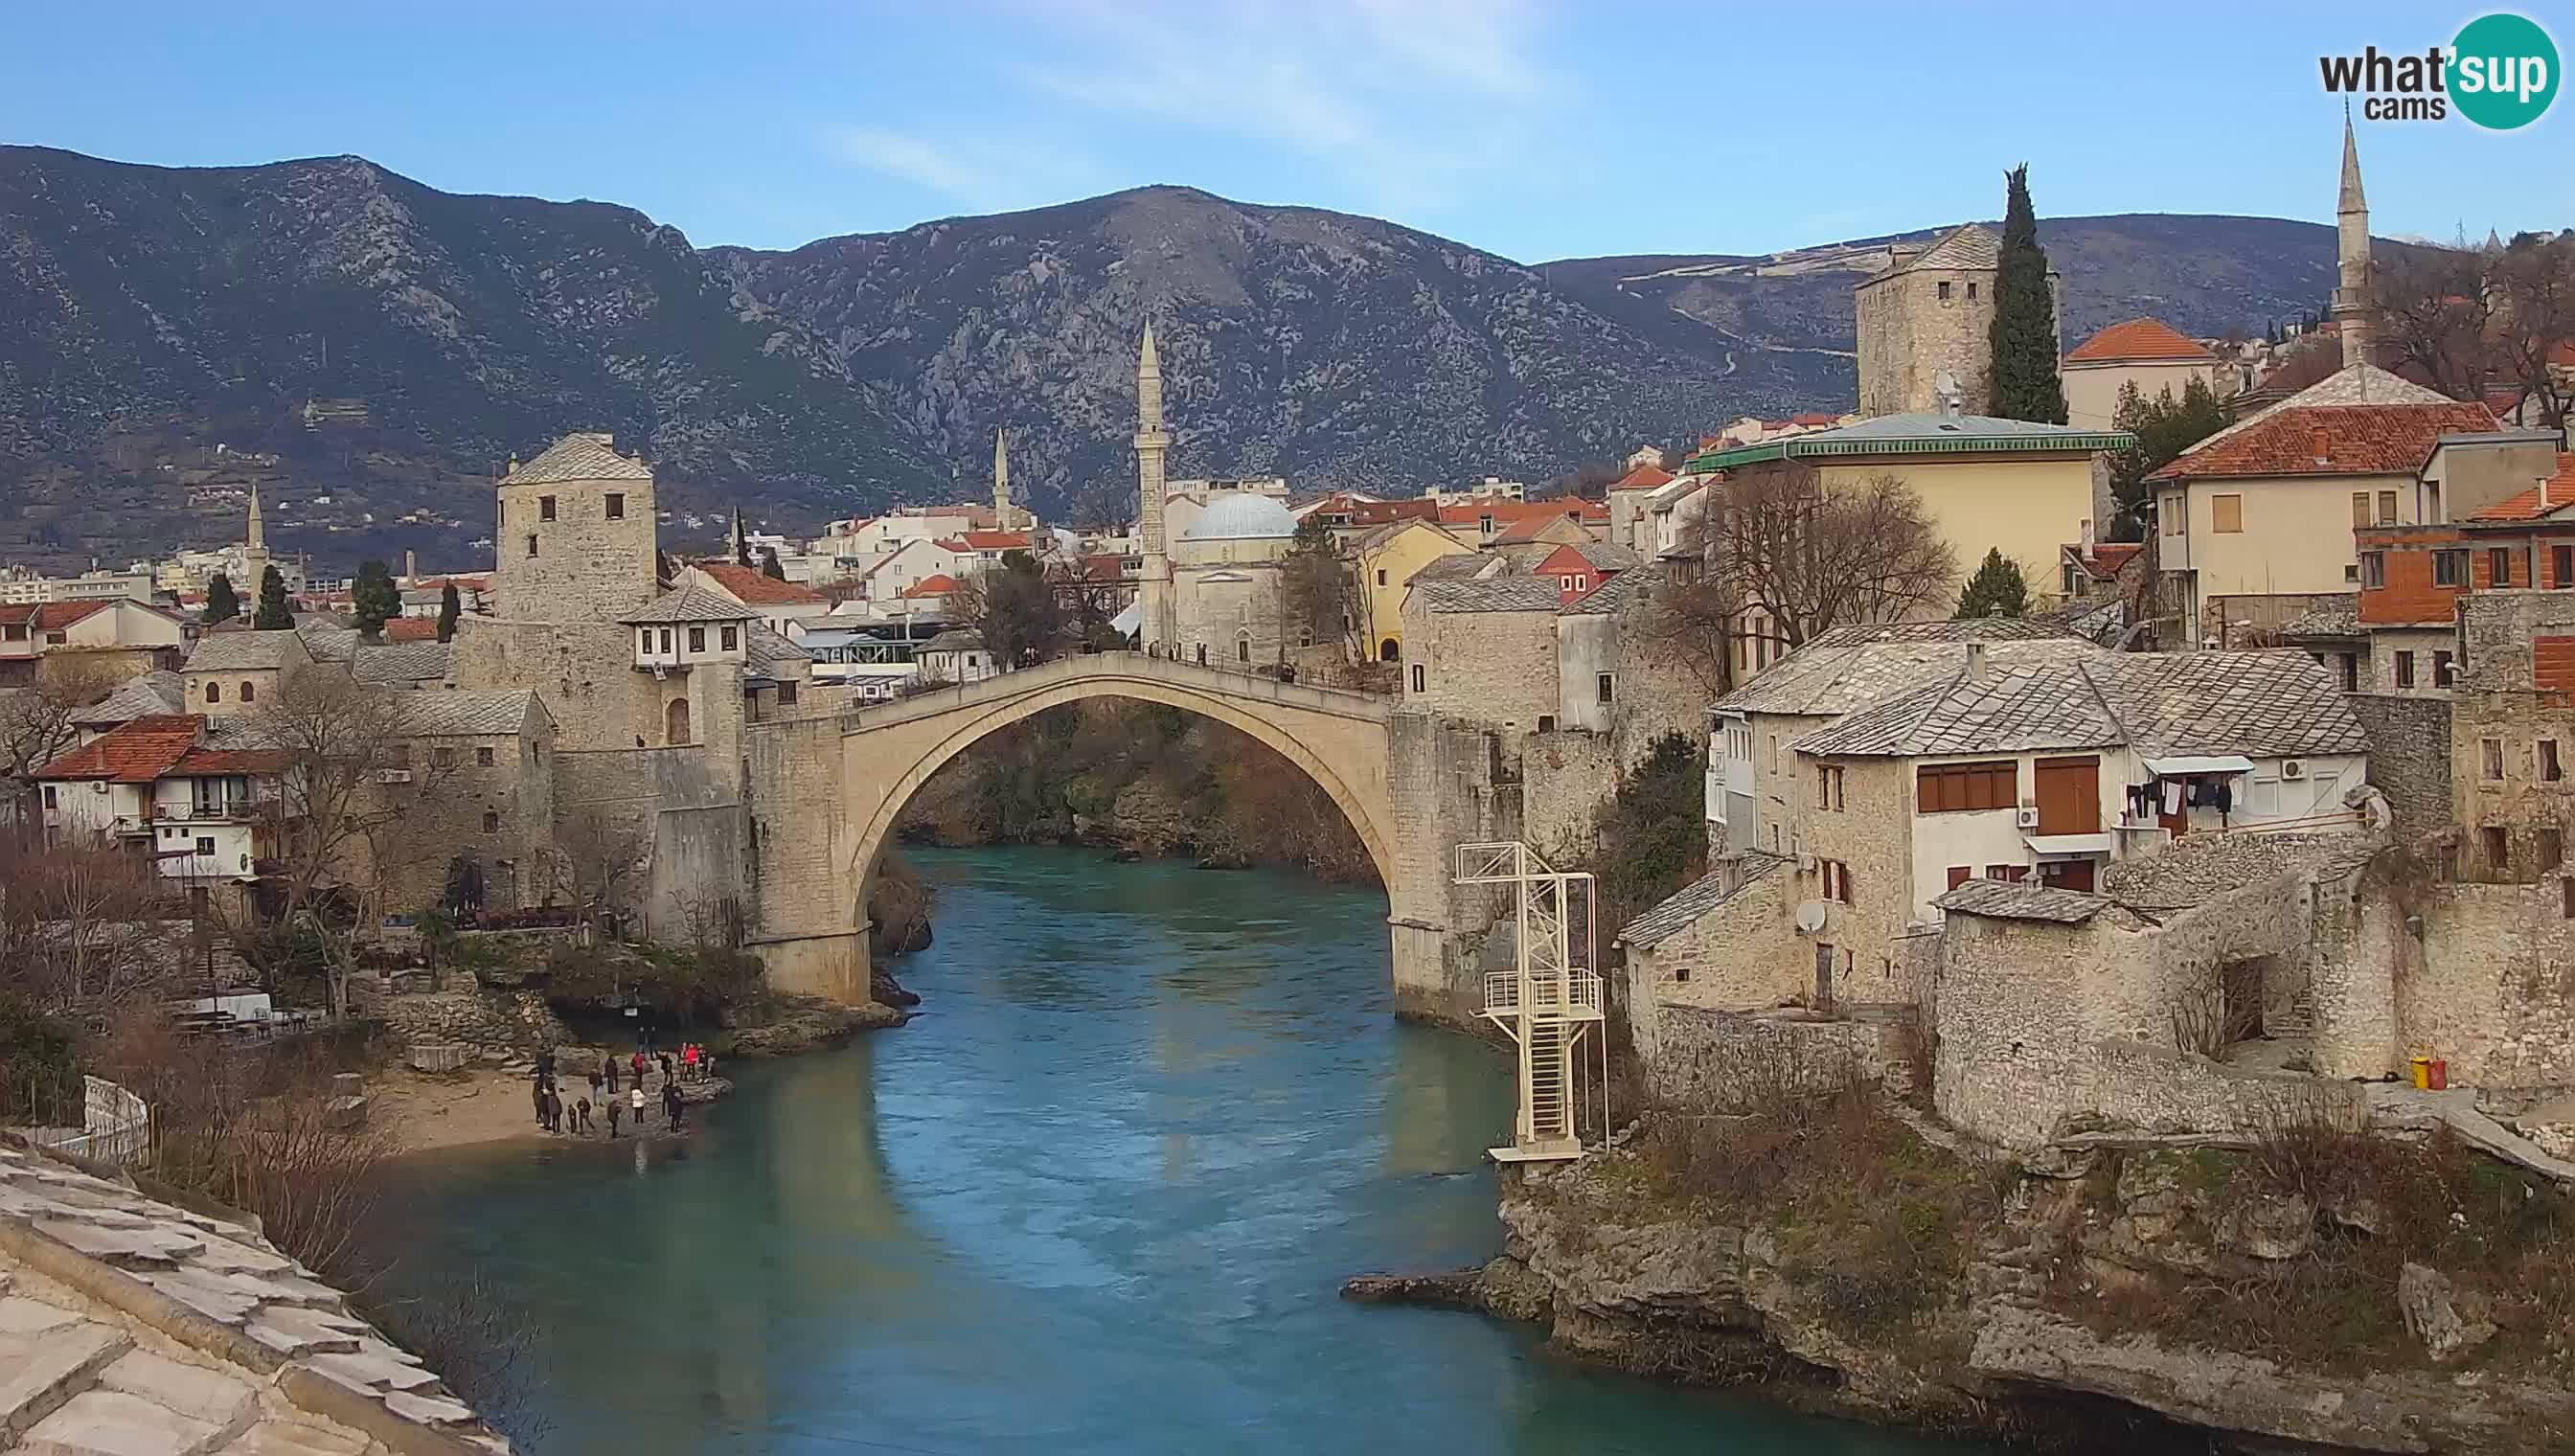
1916, 435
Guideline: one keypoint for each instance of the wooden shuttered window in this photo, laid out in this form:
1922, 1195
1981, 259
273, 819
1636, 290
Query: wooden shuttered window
1948, 788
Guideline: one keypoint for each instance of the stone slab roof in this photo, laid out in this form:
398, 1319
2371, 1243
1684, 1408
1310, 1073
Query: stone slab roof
327, 642
2259, 704
1496, 594
152, 694
2025, 901
401, 662
2200, 868
1701, 895
689, 604
128, 1324
766, 648
587, 455
248, 652
1617, 594
438, 714
1848, 669
2357, 384
1966, 247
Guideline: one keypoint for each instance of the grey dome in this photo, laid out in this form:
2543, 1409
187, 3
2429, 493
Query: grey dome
1246, 517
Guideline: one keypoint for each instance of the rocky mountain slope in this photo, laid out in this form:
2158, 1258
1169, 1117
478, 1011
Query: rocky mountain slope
148, 315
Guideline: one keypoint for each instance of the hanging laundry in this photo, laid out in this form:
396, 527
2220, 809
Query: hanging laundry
2225, 795
2173, 797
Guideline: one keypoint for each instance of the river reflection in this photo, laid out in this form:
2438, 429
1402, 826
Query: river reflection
1098, 1199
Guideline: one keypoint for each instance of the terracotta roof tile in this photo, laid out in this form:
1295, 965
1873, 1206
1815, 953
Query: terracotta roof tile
1644, 477
755, 588
2357, 440
934, 585
2140, 339
63, 614
2546, 499
137, 752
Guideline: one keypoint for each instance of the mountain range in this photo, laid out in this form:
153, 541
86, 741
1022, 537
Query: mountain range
367, 350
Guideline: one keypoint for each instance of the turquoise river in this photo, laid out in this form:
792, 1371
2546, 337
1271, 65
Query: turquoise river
1097, 1198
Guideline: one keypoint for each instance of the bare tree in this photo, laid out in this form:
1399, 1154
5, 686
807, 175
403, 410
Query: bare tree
2535, 333
36, 725
2437, 318
83, 929
346, 790
1807, 556
599, 860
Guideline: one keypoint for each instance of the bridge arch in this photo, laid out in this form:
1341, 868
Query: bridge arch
1338, 739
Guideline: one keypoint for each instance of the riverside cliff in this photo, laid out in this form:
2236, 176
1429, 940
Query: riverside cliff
2310, 1292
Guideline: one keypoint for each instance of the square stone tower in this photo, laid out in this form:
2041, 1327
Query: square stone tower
1928, 310
576, 538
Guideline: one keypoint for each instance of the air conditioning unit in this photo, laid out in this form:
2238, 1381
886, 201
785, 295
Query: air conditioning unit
1805, 865
2293, 768
2027, 819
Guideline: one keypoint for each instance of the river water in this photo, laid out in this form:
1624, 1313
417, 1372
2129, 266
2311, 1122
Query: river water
1099, 1198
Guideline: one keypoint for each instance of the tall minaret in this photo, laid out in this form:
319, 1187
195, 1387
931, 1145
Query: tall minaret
1001, 480
1155, 628
2356, 302
254, 551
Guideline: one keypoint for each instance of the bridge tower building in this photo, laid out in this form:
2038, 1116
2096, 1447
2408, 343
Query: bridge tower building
1154, 627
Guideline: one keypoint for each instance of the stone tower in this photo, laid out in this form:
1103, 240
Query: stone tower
1927, 311
1154, 626
1001, 514
2355, 300
577, 538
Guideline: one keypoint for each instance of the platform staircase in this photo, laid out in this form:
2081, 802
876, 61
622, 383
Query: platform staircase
1550, 1002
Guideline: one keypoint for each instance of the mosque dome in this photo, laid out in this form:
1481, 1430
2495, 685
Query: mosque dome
1246, 517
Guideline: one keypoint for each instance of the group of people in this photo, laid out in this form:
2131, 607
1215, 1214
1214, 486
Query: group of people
693, 1062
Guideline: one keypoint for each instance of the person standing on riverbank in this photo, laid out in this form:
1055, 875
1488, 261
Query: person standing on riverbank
609, 1064
616, 1110
636, 1094
594, 1084
674, 1107
537, 1094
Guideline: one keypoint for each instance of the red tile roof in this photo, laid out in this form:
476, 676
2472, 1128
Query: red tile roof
63, 614
1644, 477
2546, 499
937, 586
1473, 512
2331, 440
230, 760
997, 539
137, 752
411, 629
2141, 340
1378, 513
752, 586
1813, 420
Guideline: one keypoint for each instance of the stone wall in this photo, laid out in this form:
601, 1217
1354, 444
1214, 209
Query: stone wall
584, 672
1868, 830
1742, 954
493, 1024
2409, 755
1909, 334
1450, 786
810, 891
2493, 991
2156, 1089
671, 803
1565, 777
1495, 667
1722, 1059
582, 565
500, 814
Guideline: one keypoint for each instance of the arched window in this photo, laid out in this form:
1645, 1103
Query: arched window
675, 724
214, 693
1243, 647
1389, 651
249, 690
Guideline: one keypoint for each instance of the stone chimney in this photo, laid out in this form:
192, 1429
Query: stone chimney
1975, 662
2323, 441
411, 565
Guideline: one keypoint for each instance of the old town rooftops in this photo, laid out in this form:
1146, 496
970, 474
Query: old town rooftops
134, 752
1967, 248
2547, 498
460, 713
588, 456
689, 604
2001, 900
2257, 704
1850, 667
248, 652
754, 587
2330, 439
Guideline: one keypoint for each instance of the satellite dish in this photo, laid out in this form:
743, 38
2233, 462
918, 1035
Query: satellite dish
1810, 918
1945, 383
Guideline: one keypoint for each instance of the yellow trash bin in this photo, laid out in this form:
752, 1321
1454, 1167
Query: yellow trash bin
2422, 1072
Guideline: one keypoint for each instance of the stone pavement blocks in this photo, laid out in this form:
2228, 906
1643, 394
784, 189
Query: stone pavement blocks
373, 1371
278, 1438
429, 1410
114, 1423
210, 1295
200, 1394
124, 1247
31, 1316
38, 1372
299, 1332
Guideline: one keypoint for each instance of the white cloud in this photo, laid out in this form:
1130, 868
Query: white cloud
912, 159
984, 172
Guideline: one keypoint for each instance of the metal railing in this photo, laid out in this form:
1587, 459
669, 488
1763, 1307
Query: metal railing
1575, 996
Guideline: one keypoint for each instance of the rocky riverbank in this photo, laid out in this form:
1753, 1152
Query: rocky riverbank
2308, 1294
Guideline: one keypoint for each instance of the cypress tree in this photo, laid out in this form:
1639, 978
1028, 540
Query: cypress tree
272, 615
2024, 328
373, 598
1997, 590
769, 566
449, 608
222, 604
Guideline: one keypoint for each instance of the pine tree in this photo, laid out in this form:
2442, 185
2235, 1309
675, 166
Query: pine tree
769, 566
222, 604
1997, 590
373, 598
449, 608
2024, 332
272, 615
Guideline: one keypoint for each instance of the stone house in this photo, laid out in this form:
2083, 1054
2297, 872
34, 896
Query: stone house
1581, 568
2147, 353
163, 786
231, 672
955, 657
1930, 312
1484, 650
479, 769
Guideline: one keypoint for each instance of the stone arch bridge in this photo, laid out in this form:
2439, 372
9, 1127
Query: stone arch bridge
824, 792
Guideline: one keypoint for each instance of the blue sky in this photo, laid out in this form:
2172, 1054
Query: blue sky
1538, 129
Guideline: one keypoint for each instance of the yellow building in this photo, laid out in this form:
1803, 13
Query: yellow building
1386, 558
1987, 484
